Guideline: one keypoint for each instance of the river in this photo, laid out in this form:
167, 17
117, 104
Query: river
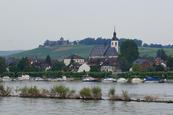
41, 106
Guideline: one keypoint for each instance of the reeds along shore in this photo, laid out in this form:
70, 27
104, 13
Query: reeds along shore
86, 93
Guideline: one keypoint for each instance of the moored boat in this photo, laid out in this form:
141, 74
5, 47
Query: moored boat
24, 77
121, 80
152, 79
91, 79
136, 80
109, 80
6, 78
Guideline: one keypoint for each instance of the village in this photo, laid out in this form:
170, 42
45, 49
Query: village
105, 61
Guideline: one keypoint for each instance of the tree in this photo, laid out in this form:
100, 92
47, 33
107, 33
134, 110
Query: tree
159, 68
24, 65
128, 54
95, 68
2, 65
13, 67
161, 54
124, 63
58, 66
170, 62
48, 60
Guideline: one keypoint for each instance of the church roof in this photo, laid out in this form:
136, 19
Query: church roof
103, 51
111, 52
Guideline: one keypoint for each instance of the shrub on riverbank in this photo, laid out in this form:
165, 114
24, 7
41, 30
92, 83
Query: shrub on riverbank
96, 92
85, 93
91, 93
4, 91
150, 98
125, 95
111, 93
61, 92
30, 92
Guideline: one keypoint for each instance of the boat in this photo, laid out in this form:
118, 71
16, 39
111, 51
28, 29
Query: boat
6, 78
91, 79
64, 78
152, 79
109, 79
24, 77
163, 80
136, 80
39, 79
122, 80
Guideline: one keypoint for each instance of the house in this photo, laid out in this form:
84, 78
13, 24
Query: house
75, 59
110, 65
160, 62
142, 64
84, 68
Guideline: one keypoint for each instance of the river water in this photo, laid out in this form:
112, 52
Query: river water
40, 106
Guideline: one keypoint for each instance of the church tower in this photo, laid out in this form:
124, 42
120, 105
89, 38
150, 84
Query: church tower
114, 42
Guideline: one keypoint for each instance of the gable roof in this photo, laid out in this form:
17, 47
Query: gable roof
103, 51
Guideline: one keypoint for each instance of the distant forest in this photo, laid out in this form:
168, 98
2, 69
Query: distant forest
105, 41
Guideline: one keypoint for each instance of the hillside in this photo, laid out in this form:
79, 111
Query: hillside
56, 52
7, 53
151, 52
82, 50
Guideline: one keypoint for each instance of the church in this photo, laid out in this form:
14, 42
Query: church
107, 51
106, 56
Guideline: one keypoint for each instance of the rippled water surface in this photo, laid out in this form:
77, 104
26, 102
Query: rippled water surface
26, 106
41, 106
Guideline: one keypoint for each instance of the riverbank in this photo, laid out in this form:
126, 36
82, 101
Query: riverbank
76, 75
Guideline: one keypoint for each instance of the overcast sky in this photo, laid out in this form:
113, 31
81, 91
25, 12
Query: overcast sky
24, 24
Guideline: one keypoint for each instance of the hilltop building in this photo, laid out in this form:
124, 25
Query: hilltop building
60, 42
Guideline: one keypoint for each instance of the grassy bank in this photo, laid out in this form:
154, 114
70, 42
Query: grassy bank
86, 93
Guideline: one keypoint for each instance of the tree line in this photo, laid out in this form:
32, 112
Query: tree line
106, 41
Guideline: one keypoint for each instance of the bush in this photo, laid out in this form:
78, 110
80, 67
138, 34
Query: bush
30, 92
60, 91
150, 98
96, 92
125, 96
4, 91
86, 93
111, 92
91, 93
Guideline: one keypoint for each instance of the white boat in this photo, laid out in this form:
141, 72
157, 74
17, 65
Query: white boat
6, 78
24, 77
121, 80
58, 79
136, 80
39, 79
109, 80
91, 79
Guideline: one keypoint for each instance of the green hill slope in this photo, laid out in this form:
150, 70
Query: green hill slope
151, 52
56, 52
7, 53
82, 50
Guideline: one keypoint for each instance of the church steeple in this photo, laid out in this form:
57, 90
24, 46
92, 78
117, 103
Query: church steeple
114, 35
114, 42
